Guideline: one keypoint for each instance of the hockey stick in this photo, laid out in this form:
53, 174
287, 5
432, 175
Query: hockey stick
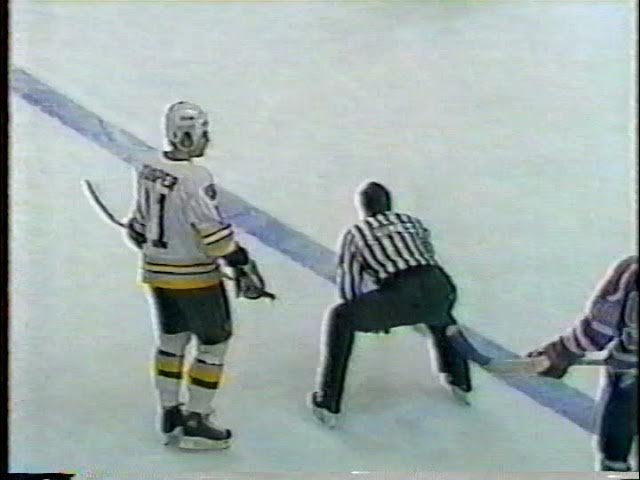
516, 366
100, 204
112, 218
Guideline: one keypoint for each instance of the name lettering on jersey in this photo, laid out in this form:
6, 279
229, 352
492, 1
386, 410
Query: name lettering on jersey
211, 192
157, 175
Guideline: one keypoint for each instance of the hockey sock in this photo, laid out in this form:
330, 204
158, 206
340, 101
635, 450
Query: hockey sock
205, 375
168, 370
169, 359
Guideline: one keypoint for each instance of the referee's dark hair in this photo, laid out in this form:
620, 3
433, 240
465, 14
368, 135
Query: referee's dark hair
374, 198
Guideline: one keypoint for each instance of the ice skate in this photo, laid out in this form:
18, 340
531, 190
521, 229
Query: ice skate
200, 434
322, 412
460, 394
611, 466
171, 424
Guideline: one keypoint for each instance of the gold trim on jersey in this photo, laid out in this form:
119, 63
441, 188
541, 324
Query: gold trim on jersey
196, 268
211, 231
218, 235
183, 284
221, 248
181, 277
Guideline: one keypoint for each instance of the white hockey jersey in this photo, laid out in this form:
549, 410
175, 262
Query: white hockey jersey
176, 210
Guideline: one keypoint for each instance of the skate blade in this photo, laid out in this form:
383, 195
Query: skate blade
325, 417
196, 443
173, 438
460, 396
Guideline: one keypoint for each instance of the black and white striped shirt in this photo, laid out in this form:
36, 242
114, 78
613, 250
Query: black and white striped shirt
378, 247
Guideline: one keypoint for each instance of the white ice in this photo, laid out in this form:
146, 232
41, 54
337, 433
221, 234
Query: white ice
505, 126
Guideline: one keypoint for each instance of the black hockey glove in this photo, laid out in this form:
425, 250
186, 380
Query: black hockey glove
249, 283
559, 356
136, 237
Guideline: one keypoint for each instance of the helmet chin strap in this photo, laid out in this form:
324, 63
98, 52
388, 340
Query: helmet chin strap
175, 154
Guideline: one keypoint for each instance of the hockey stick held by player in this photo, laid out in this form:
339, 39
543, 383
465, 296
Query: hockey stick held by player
247, 279
97, 201
609, 325
184, 243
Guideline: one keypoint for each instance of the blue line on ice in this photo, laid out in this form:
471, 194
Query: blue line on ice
567, 401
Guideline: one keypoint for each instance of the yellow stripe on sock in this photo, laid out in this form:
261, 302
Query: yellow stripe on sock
207, 375
169, 365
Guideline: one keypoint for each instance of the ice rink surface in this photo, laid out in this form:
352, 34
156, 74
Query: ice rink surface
504, 125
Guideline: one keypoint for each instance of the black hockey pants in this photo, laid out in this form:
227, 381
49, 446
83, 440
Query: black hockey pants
617, 411
417, 295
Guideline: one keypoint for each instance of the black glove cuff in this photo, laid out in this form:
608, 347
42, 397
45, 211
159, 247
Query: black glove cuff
238, 258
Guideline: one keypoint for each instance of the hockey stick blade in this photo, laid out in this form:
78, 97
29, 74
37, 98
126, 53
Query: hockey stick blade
100, 204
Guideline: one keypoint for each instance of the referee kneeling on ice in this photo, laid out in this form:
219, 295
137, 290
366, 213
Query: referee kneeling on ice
394, 252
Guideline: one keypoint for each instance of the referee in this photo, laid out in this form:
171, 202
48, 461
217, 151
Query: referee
393, 251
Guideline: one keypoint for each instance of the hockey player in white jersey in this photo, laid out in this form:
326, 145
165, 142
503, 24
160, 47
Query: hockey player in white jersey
183, 239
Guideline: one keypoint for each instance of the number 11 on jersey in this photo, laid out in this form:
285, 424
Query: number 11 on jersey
155, 204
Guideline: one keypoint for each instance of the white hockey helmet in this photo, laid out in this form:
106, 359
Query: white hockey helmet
187, 128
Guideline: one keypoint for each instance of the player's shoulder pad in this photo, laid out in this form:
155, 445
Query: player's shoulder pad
624, 267
203, 180
210, 191
201, 173
200, 176
630, 261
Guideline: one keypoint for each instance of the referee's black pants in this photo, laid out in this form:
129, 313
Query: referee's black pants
423, 294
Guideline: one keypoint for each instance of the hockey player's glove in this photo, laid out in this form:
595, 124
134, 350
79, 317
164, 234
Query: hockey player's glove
559, 356
247, 279
249, 283
138, 239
